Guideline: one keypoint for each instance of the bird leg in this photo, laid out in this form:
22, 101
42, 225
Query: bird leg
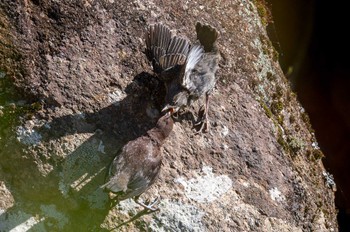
148, 207
204, 121
138, 215
147, 210
176, 115
113, 200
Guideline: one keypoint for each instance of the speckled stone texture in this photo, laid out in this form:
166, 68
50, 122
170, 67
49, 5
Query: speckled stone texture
83, 62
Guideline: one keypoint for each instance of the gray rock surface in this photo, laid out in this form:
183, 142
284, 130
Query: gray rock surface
90, 89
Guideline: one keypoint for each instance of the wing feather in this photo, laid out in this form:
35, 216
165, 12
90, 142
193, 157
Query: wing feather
164, 49
194, 56
157, 39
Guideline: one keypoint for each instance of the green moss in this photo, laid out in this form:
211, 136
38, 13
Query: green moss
263, 11
10, 113
266, 109
36, 106
270, 76
268, 48
295, 144
306, 119
314, 154
282, 142
266, 45
275, 54
317, 154
291, 95
279, 92
280, 119
276, 107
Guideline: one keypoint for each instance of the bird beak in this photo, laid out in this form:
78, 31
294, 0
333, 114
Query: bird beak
171, 109
169, 112
167, 107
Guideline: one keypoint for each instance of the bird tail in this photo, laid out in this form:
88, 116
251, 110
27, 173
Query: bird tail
164, 49
113, 186
207, 36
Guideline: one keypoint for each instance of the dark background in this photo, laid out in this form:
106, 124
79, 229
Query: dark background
311, 36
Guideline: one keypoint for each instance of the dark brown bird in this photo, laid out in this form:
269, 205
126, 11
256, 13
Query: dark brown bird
136, 168
188, 71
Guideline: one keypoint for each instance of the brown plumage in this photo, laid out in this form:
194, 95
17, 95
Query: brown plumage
188, 70
136, 168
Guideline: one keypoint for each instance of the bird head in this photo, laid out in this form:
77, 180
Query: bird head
165, 124
178, 101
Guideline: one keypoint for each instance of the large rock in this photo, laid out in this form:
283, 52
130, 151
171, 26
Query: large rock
82, 63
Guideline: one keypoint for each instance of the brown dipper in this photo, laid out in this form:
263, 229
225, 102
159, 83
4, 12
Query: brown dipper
136, 168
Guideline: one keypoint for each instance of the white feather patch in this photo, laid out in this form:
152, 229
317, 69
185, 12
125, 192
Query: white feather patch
194, 57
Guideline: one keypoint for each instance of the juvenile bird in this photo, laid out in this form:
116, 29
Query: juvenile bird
136, 168
188, 70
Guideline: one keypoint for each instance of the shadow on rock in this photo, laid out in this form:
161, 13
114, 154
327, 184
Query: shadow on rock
79, 149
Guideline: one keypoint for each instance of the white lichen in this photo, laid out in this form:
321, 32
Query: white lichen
28, 136
225, 131
127, 207
329, 181
207, 187
177, 216
116, 96
276, 195
315, 146
2, 74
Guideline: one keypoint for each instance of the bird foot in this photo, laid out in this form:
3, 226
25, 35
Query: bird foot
175, 115
113, 201
203, 122
203, 126
148, 209
148, 206
145, 211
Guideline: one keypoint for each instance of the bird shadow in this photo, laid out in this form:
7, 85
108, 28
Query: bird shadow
83, 145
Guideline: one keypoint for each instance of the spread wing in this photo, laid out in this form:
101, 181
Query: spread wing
164, 49
157, 38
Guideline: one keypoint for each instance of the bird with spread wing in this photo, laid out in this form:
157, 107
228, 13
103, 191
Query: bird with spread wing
188, 70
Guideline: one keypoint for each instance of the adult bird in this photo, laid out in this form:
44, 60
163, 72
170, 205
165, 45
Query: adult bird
136, 168
187, 70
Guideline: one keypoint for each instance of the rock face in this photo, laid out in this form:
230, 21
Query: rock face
82, 64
